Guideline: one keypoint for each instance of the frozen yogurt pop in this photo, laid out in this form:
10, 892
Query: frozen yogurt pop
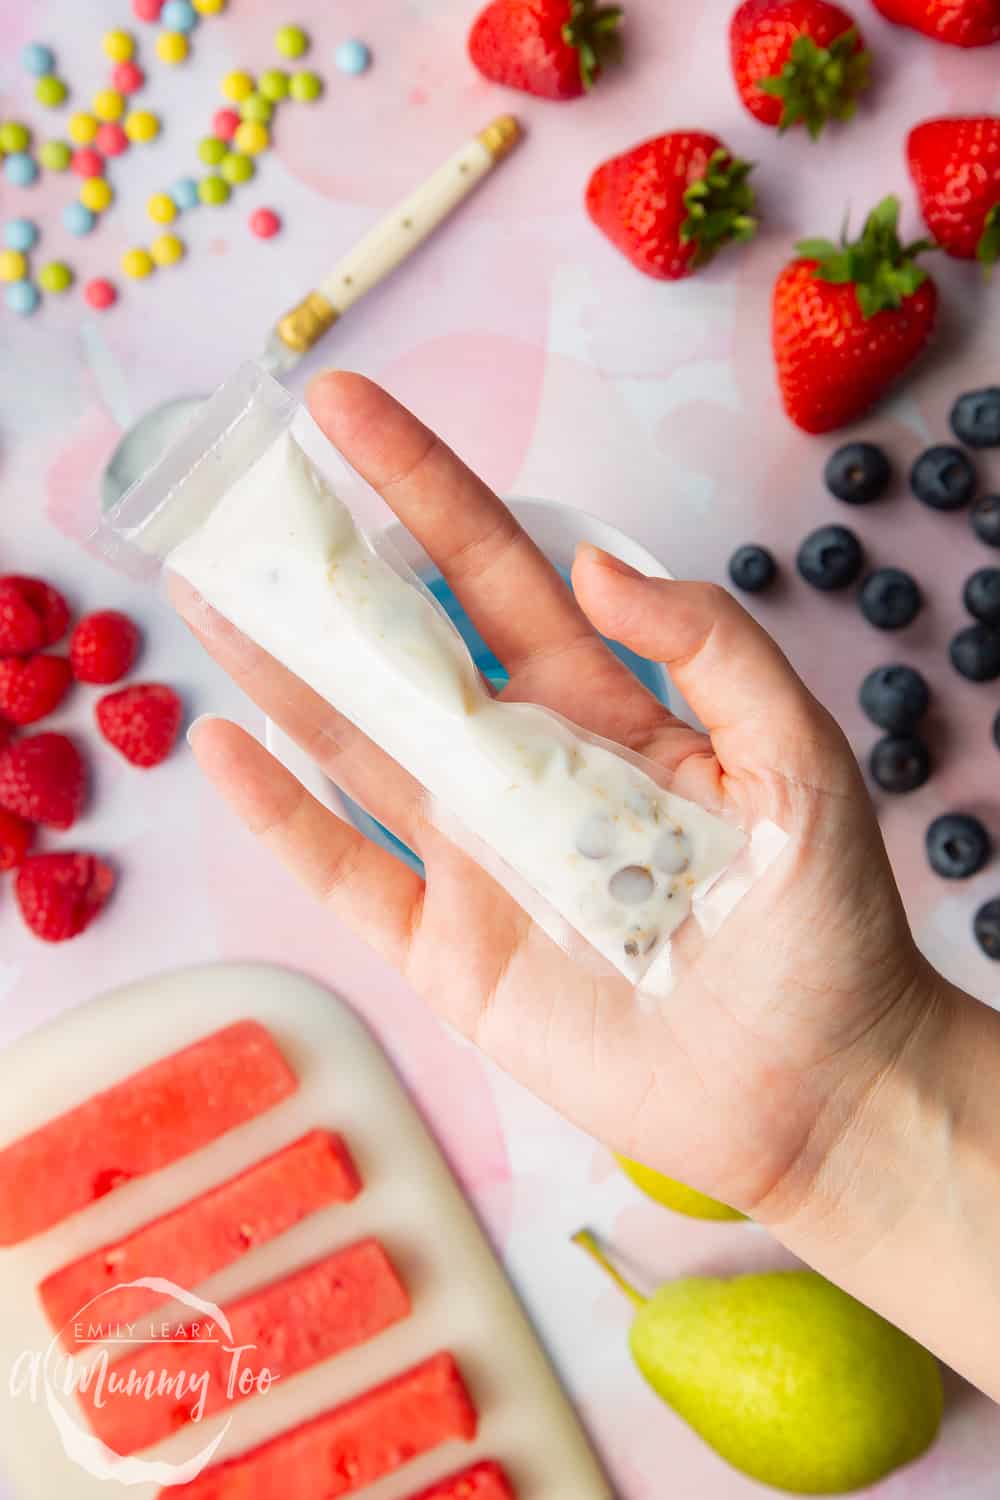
577, 830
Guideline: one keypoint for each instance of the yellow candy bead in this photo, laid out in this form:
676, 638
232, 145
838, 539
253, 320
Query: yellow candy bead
81, 129
161, 208
108, 105
118, 45
142, 126
167, 249
13, 265
209, 7
137, 264
96, 194
252, 138
237, 85
172, 47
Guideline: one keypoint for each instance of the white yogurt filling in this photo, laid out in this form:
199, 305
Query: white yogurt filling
616, 856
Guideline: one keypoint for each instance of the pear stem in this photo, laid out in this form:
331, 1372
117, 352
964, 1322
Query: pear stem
586, 1241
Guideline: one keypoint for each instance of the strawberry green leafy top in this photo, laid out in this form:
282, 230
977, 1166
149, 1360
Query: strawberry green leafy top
818, 84
884, 270
593, 30
719, 206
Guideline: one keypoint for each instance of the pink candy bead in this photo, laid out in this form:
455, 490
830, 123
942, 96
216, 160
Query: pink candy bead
111, 139
127, 77
100, 294
147, 10
264, 223
225, 123
87, 162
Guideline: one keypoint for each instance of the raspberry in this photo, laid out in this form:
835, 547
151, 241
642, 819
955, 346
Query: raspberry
141, 721
43, 778
103, 647
31, 689
32, 615
15, 839
61, 894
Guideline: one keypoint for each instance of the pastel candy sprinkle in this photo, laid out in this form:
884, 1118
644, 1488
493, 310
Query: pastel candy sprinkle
55, 156
179, 15
353, 57
100, 294
251, 138
172, 47
78, 218
142, 126
225, 123
87, 162
14, 136
56, 277
81, 128
20, 169
111, 139
211, 150
273, 84
291, 41
237, 168
137, 264
306, 87
237, 85
13, 265
22, 297
108, 104
167, 249
185, 193
214, 190
147, 10
264, 223
256, 107
209, 7
20, 234
96, 194
37, 59
161, 208
51, 92
127, 77
118, 45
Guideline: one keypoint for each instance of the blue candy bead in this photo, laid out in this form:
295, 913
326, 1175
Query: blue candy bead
20, 234
38, 59
179, 15
185, 193
353, 57
21, 297
78, 218
20, 169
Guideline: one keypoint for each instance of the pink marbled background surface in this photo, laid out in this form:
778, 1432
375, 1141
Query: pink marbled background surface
559, 372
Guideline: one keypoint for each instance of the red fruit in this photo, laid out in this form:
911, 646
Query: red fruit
32, 615
672, 202
847, 320
963, 23
43, 778
31, 689
798, 62
553, 48
955, 164
61, 894
16, 837
141, 721
103, 647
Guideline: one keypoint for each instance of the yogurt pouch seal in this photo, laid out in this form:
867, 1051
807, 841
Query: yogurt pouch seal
585, 835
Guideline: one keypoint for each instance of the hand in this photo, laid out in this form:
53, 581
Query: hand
783, 1022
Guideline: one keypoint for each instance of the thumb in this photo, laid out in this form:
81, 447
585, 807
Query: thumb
729, 669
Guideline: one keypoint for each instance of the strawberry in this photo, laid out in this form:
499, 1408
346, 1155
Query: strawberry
31, 689
672, 202
553, 48
32, 615
963, 23
847, 320
16, 837
141, 721
43, 778
955, 164
798, 62
61, 894
103, 647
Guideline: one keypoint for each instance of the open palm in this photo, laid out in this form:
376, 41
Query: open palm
764, 1038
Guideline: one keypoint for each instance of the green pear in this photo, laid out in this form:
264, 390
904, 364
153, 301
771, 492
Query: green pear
676, 1195
785, 1376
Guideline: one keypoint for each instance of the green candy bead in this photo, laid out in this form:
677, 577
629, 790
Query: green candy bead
55, 156
14, 136
211, 150
55, 277
213, 190
273, 84
256, 107
291, 41
237, 168
51, 92
306, 87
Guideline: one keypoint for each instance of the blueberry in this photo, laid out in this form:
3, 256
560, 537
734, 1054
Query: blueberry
895, 698
975, 418
957, 846
857, 473
975, 653
900, 763
890, 599
981, 595
752, 568
943, 478
830, 558
985, 519
986, 926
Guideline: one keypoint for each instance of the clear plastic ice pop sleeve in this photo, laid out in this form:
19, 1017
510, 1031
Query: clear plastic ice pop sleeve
585, 835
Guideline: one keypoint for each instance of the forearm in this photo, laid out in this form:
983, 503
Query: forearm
897, 1198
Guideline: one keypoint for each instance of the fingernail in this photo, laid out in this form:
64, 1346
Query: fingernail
201, 719
606, 560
